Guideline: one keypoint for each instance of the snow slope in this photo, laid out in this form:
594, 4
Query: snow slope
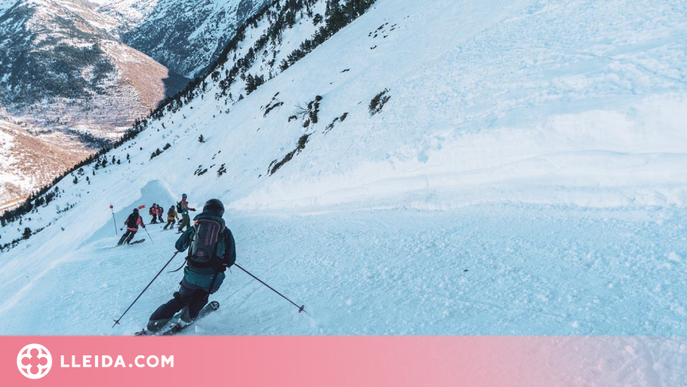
551, 271
539, 145
5, 5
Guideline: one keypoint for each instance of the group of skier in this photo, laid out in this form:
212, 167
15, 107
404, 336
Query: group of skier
134, 221
156, 212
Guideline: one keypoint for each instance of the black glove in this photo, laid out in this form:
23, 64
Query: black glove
230, 262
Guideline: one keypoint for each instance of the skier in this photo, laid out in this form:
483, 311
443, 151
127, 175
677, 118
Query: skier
132, 222
172, 218
160, 211
184, 209
211, 251
153, 212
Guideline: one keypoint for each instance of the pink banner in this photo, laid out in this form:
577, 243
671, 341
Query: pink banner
343, 361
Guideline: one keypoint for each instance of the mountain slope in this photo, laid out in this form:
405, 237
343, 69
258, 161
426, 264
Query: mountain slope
447, 167
64, 66
62, 72
188, 36
127, 14
31, 159
58, 66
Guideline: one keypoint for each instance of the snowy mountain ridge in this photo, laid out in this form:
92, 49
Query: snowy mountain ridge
432, 168
188, 37
126, 13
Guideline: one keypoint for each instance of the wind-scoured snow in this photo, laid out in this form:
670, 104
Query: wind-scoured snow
525, 176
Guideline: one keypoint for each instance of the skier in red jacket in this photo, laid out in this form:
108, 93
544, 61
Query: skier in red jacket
160, 212
132, 222
153, 212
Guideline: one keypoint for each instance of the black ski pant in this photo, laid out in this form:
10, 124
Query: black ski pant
154, 219
160, 219
170, 224
127, 237
188, 295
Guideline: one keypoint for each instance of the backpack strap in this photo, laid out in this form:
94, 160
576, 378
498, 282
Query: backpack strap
213, 282
190, 247
217, 262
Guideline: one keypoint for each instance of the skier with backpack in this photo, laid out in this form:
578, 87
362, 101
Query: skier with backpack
132, 222
211, 250
184, 209
153, 212
160, 211
172, 217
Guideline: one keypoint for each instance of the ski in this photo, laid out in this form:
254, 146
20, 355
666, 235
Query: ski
176, 327
130, 243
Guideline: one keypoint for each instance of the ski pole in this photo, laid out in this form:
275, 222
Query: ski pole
144, 290
300, 308
146, 230
113, 218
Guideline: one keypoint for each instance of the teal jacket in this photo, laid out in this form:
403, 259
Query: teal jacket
226, 249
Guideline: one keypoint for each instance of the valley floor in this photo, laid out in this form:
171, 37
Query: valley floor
500, 269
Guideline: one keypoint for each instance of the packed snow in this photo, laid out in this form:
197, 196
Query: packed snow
524, 177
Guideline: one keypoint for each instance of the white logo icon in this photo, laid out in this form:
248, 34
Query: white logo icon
34, 361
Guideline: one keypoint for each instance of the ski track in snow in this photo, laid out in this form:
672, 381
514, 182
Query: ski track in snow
525, 178
483, 270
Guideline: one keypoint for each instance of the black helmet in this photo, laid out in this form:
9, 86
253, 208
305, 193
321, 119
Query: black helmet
184, 196
214, 205
135, 210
